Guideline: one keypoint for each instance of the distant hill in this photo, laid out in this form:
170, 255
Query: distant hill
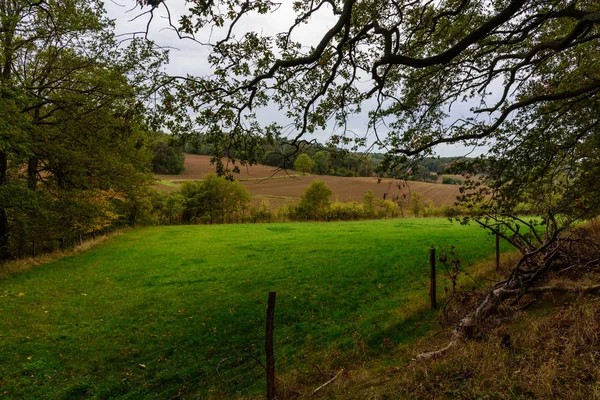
284, 186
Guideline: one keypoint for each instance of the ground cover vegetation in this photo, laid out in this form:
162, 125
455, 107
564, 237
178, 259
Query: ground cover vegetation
74, 144
527, 69
162, 312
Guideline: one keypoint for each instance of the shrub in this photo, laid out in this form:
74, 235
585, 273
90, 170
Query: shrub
262, 213
390, 208
416, 203
368, 204
446, 180
314, 201
345, 211
214, 199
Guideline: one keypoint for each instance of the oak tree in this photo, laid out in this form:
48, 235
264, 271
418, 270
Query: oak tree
304, 164
72, 140
315, 200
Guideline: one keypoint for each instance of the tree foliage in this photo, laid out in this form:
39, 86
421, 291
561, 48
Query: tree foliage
422, 174
214, 199
416, 203
304, 164
72, 140
321, 161
315, 200
369, 203
167, 158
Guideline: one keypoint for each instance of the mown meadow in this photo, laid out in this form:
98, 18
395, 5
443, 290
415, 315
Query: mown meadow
174, 311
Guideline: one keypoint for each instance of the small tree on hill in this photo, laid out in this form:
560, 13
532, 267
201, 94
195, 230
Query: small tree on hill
315, 200
304, 164
214, 199
369, 204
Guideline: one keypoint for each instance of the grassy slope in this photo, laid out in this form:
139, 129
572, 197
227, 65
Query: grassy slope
152, 312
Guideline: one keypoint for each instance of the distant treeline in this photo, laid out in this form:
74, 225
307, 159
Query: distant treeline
332, 161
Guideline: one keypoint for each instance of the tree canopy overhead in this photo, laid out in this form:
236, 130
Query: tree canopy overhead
409, 61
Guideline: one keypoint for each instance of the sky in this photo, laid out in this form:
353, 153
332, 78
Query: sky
189, 57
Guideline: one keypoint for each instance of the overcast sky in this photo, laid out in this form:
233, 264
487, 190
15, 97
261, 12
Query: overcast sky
189, 57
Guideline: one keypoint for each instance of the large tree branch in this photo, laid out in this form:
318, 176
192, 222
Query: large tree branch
315, 55
589, 90
448, 55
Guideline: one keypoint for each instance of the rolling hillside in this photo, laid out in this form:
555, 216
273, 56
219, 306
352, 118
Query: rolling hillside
282, 186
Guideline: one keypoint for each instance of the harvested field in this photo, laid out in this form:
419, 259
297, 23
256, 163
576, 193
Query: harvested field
353, 189
287, 186
197, 166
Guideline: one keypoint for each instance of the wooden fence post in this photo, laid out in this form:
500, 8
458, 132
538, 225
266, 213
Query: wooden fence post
497, 252
432, 283
269, 347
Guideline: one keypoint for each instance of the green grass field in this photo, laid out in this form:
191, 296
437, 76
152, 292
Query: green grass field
179, 311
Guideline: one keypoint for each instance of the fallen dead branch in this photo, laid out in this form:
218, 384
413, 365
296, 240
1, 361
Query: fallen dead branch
533, 268
328, 382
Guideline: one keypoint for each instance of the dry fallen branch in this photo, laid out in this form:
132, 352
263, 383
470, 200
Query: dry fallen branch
551, 257
328, 382
562, 289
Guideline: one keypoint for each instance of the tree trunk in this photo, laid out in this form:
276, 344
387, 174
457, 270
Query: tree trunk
32, 163
3, 216
6, 73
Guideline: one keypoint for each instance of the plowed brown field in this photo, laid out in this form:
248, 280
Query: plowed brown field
285, 186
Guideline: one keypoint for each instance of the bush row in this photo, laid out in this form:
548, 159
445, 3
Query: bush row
212, 200
217, 200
